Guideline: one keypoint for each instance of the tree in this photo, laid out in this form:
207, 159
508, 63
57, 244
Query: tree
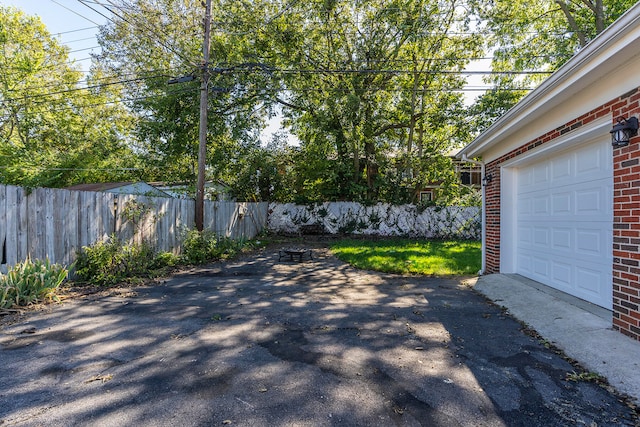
53, 132
530, 35
369, 81
530, 39
265, 172
151, 42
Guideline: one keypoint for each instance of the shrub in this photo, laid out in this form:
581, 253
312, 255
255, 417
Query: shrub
200, 247
30, 282
110, 262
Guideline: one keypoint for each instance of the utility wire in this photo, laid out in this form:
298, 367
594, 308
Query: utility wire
76, 13
75, 31
285, 71
97, 86
150, 31
288, 71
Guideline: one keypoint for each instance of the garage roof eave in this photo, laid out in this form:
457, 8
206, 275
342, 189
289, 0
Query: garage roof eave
586, 66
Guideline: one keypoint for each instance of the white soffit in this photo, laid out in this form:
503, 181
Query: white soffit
610, 51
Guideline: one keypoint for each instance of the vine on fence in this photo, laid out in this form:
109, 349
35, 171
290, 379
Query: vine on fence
382, 219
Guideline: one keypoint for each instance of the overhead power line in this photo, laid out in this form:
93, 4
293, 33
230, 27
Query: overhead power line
64, 91
76, 31
284, 71
75, 13
151, 32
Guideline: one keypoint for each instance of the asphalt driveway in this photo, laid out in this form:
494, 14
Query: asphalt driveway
263, 342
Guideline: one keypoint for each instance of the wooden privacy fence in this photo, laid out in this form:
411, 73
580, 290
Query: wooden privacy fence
55, 223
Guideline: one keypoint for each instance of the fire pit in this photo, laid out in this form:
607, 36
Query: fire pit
300, 253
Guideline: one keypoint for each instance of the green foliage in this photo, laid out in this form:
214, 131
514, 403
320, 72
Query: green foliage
426, 257
51, 133
107, 263
166, 36
263, 173
585, 377
381, 98
532, 35
492, 105
30, 282
201, 247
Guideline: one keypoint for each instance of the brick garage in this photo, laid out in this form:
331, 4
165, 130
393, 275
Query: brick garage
562, 205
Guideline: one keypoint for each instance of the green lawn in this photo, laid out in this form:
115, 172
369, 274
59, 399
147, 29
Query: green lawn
405, 256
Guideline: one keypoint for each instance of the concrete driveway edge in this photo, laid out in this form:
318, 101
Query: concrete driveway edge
583, 331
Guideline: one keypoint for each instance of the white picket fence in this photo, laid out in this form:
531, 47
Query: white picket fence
55, 223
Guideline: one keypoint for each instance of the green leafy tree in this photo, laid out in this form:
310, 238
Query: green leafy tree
534, 38
530, 35
371, 89
53, 130
155, 42
369, 81
265, 173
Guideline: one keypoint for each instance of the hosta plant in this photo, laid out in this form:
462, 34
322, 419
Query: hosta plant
31, 281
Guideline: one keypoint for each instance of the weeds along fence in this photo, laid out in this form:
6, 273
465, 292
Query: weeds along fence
55, 223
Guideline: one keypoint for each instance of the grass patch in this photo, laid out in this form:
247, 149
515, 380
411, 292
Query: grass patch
405, 256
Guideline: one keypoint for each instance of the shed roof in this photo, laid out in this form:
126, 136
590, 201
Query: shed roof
100, 186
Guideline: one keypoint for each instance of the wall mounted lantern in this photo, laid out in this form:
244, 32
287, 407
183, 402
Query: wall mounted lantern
624, 131
487, 179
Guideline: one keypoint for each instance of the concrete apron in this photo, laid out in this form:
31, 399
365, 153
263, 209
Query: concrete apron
582, 330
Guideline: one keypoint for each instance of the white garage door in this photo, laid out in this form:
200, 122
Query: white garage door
564, 222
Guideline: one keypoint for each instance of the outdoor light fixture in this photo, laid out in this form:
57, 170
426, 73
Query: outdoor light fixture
624, 131
487, 179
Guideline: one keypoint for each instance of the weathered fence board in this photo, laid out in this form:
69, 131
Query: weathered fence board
3, 230
55, 223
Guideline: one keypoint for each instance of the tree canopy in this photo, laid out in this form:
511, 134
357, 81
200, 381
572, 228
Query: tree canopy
54, 130
536, 37
373, 90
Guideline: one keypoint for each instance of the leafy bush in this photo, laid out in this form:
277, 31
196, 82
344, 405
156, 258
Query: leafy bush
30, 282
200, 247
165, 259
109, 262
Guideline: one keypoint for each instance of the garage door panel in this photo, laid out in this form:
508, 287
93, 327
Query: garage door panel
524, 264
562, 238
588, 240
561, 203
541, 237
593, 159
591, 241
561, 168
589, 201
540, 205
561, 274
564, 222
582, 281
524, 236
541, 266
541, 174
584, 202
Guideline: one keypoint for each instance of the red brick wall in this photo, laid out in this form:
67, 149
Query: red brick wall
626, 222
626, 225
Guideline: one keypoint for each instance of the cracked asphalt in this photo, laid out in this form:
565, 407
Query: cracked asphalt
263, 342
